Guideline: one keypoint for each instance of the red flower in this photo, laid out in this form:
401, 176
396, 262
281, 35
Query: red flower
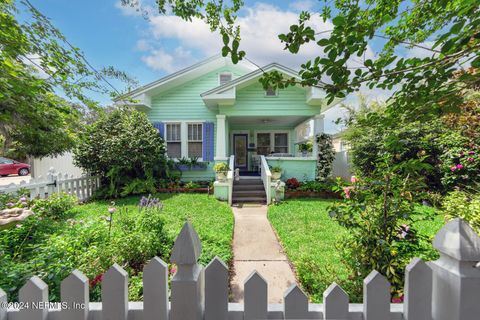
397, 299
98, 278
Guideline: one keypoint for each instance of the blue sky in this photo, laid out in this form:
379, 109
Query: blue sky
148, 49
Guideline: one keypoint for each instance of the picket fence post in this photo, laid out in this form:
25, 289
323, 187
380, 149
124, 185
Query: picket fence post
187, 284
456, 275
155, 290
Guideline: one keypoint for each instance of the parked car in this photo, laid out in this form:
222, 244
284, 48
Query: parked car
9, 166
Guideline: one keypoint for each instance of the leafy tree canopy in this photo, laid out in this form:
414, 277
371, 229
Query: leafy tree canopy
36, 60
421, 84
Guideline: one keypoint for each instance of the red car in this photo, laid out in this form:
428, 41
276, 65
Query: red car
8, 166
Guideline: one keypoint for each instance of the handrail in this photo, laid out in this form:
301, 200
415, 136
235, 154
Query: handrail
231, 165
266, 177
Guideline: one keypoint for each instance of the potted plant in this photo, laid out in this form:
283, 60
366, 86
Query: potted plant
305, 148
221, 170
276, 173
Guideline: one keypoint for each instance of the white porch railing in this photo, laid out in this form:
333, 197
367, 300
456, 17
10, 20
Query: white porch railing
230, 177
41, 187
266, 177
446, 289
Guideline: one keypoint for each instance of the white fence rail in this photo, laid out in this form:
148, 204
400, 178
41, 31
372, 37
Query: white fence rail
82, 187
446, 289
266, 177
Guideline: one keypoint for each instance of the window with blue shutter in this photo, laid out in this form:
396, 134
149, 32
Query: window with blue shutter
208, 141
161, 128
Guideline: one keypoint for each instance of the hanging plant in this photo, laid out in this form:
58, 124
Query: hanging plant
325, 156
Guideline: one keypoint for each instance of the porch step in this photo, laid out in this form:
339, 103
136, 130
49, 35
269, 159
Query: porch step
248, 182
248, 191
243, 187
261, 200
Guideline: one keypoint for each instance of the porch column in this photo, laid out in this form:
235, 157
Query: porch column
220, 149
318, 127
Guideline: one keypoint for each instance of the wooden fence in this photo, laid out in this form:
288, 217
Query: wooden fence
446, 289
82, 187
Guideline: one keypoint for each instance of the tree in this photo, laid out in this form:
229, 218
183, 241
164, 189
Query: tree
36, 60
125, 150
423, 86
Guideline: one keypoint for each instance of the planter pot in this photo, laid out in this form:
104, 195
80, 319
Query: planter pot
221, 176
276, 175
183, 167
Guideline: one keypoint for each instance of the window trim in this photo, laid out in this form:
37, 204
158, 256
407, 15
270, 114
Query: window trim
224, 74
183, 136
201, 123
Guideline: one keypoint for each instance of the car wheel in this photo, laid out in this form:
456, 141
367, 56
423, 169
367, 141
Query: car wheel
23, 172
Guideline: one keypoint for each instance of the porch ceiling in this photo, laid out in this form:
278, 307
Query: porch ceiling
267, 120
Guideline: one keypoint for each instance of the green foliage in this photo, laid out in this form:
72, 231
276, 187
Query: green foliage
52, 246
19, 199
325, 156
55, 206
221, 167
125, 150
306, 147
192, 185
276, 169
316, 186
461, 204
312, 241
35, 61
378, 212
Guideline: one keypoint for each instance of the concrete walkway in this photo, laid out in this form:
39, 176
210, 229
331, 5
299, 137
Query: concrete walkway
255, 247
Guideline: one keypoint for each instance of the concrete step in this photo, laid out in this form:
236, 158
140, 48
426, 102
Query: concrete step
248, 182
246, 187
249, 199
247, 193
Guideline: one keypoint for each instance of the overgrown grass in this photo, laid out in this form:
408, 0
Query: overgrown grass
310, 238
52, 247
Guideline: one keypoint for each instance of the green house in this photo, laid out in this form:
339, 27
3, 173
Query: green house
216, 111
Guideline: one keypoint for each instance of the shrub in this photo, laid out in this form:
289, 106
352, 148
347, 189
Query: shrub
19, 199
292, 183
325, 156
460, 204
276, 169
125, 150
221, 167
55, 206
317, 186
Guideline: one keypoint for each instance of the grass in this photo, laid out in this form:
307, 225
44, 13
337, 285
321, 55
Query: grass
213, 220
52, 247
310, 238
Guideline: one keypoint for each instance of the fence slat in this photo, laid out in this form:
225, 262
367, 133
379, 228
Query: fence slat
418, 291
155, 290
34, 292
335, 303
187, 294
115, 294
376, 297
74, 291
3, 305
256, 297
295, 303
216, 290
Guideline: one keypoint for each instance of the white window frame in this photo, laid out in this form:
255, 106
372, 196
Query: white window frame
184, 135
224, 74
201, 140
272, 138
269, 96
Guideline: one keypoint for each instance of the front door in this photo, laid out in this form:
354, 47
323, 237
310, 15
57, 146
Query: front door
240, 143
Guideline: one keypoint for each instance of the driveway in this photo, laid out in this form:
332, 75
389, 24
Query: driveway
4, 181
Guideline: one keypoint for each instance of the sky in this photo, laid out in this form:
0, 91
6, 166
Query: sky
148, 49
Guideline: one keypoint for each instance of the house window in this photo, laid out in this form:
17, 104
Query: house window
195, 140
280, 143
271, 92
263, 144
224, 78
174, 140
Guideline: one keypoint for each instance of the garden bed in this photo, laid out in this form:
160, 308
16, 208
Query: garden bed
184, 190
292, 194
80, 238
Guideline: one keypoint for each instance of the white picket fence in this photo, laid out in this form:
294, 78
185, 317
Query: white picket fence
446, 289
82, 187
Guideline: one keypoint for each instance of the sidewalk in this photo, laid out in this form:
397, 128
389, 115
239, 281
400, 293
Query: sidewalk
255, 247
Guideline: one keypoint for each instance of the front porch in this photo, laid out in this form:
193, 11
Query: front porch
252, 145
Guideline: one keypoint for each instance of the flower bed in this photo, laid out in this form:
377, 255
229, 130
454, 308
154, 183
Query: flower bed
292, 194
186, 190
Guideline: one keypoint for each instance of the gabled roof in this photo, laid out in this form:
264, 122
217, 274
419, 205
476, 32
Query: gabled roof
185, 75
252, 76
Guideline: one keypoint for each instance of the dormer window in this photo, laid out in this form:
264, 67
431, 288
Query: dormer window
271, 92
224, 78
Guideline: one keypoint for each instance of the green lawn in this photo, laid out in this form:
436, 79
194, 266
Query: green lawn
310, 238
51, 247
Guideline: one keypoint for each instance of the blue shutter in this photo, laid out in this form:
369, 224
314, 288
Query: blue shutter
208, 142
160, 126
